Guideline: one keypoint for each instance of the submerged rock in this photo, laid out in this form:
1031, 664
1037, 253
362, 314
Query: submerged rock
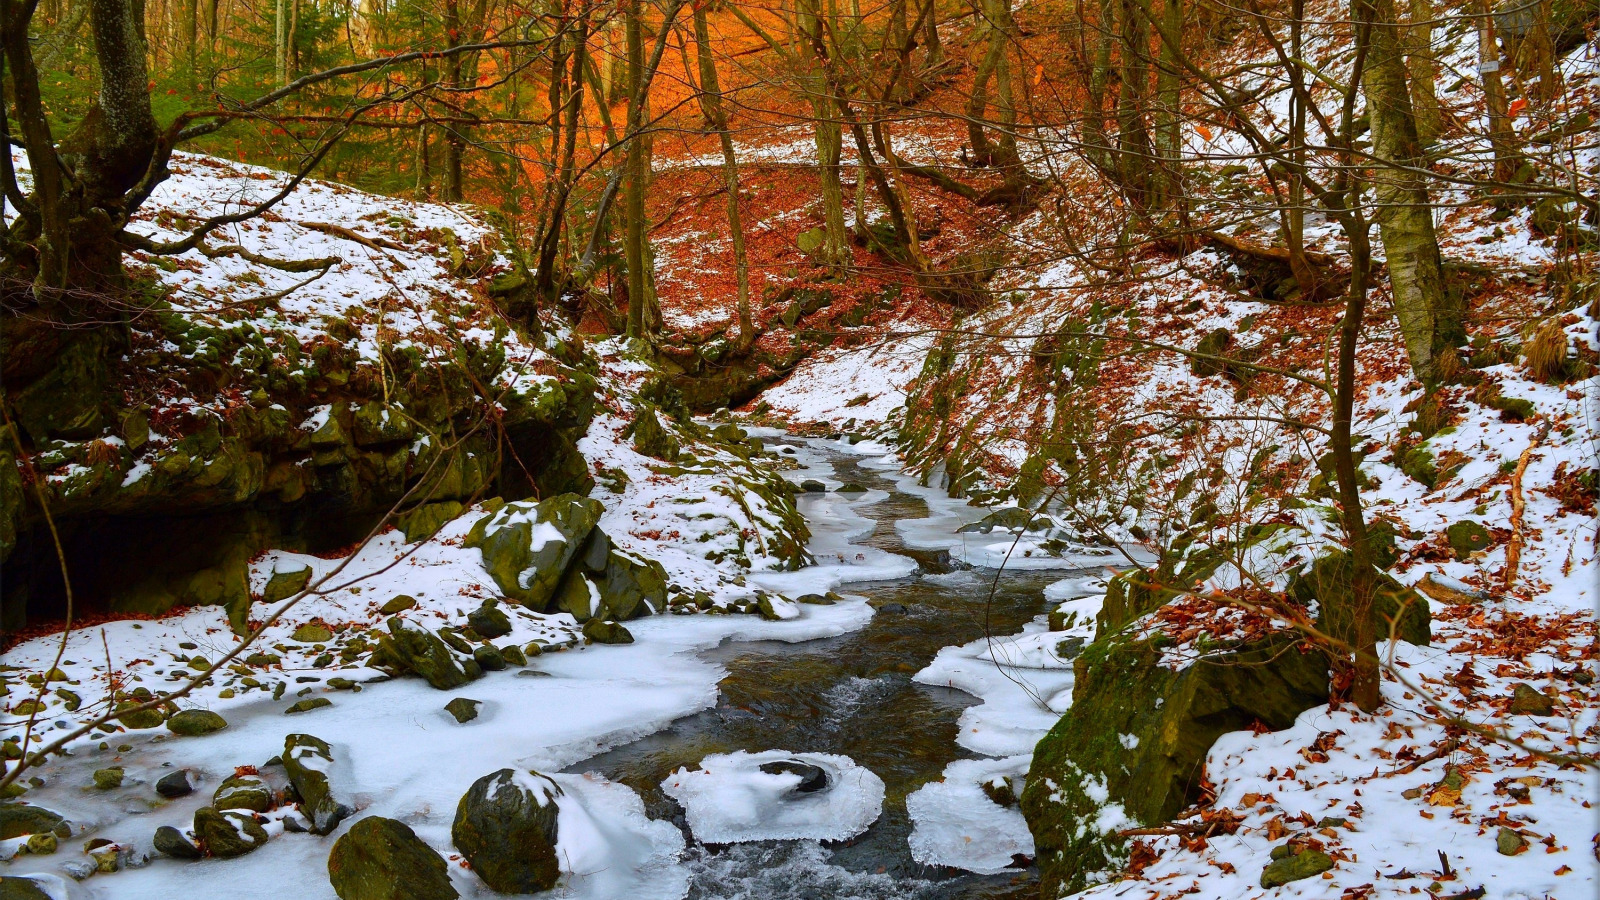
14, 888
171, 842
812, 778
227, 834
18, 819
505, 826
527, 546
195, 722
382, 859
307, 759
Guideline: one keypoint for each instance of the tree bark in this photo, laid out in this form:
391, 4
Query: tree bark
1501, 137
1404, 212
636, 174
717, 118
829, 138
1424, 71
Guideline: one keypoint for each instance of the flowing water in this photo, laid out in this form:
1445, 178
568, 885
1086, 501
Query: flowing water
850, 695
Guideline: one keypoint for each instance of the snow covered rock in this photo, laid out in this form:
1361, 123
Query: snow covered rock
227, 834
506, 827
742, 796
171, 842
18, 819
307, 760
958, 822
14, 888
411, 648
608, 582
382, 859
527, 546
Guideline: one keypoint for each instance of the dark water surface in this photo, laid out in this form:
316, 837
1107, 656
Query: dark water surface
850, 695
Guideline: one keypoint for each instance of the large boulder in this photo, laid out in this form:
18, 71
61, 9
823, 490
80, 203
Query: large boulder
608, 582
506, 828
381, 859
228, 833
411, 648
527, 546
1396, 608
14, 888
307, 760
1133, 748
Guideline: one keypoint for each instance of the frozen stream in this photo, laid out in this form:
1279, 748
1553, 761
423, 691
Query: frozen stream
618, 720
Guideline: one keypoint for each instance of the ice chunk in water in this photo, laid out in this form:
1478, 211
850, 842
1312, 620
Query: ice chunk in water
730, 799
956, 823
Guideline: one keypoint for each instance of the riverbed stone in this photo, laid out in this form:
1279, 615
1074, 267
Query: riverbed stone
175, 784
382, 859
42, 844
488, 658
463, 710
505, 826
108, 778
230, 833
307, 705
411, 648
527, 546
1138, 736
18, 819
812, 778
13, 887
605, 631
249, 792
195, 722
171, 842
307, 759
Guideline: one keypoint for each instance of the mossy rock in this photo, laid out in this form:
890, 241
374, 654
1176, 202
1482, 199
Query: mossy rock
602, 631
1396, 608
1293, 866
1010, 518
283, 585
307, 705
108, 779
526, 547
411, 648
249, 792
195, 722
13, 887
169, 841
145, 718
1468, 537
312, 633
18, 819
382, 859
489, 658
375, 424
489, 621
463, 710
506, 828
399, 603
651, 437
228, 834
1085, 763
425, 520
307, 760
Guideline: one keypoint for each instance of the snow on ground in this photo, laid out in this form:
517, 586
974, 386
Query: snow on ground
851, 388
729, 798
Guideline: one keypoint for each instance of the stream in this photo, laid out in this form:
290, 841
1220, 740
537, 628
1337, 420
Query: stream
851, 695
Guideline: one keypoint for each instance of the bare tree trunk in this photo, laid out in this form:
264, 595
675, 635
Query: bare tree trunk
454, 143
190, 29
1133, 132
550, 242
829, 138
1424, 71
1501, 137
637, 174
1169, 112
978, 100
280, 42
930, 37
716, 116
1404, 214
